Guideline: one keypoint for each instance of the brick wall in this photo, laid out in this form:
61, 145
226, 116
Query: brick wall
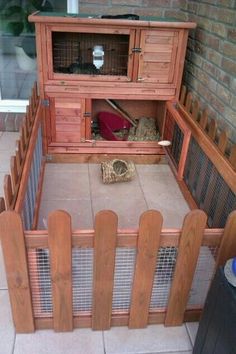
166, 8
210, 70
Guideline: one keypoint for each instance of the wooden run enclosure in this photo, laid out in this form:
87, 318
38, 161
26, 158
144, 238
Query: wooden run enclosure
62, 278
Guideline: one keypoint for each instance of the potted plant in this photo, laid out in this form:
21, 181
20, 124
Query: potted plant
15, 17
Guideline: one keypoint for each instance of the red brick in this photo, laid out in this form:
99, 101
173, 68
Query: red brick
157, 3
229, 49
227, 16
125, 2
232, 34
229, 66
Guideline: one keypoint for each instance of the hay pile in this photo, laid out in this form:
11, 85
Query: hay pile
145, 131
117, 171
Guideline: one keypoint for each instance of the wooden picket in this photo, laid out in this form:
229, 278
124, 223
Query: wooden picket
104, 239
2, 205
189, 248
148, 244
15, 258
59, 241
104, 264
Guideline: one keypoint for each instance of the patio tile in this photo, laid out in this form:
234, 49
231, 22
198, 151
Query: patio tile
8, 141
153, 169
127, 209
192, 328
79, 341
172, 210
5, 161
79, 209
3, 279
153, 339
7, 332
68, 185
65, 167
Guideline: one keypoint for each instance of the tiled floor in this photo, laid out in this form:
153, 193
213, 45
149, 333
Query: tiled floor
120, 340
78, 189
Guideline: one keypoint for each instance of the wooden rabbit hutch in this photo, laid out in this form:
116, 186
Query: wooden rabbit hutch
62, 278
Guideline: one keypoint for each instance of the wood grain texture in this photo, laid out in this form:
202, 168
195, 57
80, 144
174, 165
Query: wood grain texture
2, 205
189, 247
232, 157
104, 263
227, 248
15, 258
183, 94
59, 240
148, 244
8, 193
223, 141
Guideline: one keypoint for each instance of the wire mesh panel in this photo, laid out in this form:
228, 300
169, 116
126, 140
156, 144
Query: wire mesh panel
202, 277
208, 188
73, 53
82, 279
123, 278
174, 134
32, 184
163, 277
40, 281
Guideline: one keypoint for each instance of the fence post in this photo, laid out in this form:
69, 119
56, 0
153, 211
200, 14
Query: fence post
2, 205
189, 248
104, 264
8, 193
148, 244
228, 243
60, 247
15, 258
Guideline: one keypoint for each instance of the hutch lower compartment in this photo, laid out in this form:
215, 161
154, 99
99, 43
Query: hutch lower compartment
64, 278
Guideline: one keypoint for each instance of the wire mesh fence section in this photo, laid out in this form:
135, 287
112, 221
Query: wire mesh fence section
202, 277
73, 53
82, 279
163, 277
123, 278
40, 280
174, 134
32, 184
208, 188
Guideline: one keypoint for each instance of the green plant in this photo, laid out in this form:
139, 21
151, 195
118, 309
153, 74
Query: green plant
16, 15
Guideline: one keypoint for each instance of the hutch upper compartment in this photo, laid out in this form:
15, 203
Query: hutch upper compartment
110, 57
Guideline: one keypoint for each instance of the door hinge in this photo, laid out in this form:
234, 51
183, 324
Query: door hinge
45, 103
87, 114
136, 50
48, 157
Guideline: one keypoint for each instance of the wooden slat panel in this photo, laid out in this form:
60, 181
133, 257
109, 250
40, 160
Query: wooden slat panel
148, 244
232, 157
104, 263
188, 102
68, 137
14, 251
14, 173
211, 150
183, 94
8, 191
195, 110
204, 119
228, 245
59, 240
212, 129
189, 247
223, 141
2, 205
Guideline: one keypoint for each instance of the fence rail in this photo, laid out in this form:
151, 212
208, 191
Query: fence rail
61, 279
